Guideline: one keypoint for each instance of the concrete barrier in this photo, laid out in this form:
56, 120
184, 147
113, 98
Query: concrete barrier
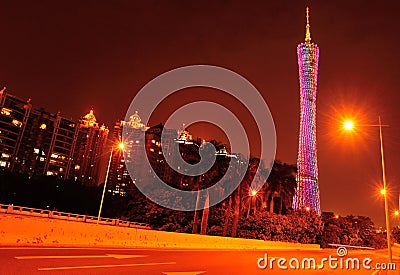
27, 211
27, 230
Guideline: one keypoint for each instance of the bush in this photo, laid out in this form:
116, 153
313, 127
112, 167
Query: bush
299, 226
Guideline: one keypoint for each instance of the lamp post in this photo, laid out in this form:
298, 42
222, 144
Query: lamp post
385, 195
121, 147
348, 126
253, 194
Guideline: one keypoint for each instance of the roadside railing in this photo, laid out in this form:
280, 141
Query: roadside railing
27, 211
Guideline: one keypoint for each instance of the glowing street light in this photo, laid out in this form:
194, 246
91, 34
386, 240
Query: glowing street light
396, 213
349, 126
253, 193
121, 147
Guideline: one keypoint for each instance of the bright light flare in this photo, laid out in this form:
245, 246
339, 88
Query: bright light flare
383, 191
348, 125
121, 146
253, 193
396, 213
307, 209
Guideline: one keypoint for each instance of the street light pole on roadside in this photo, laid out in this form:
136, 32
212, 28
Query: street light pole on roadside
385, 194
349, 126
121, 147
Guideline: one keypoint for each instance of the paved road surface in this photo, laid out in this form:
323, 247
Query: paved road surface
56, 260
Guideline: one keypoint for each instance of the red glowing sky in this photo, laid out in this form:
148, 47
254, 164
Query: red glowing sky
71, 56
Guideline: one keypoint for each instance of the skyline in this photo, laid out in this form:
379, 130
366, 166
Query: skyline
64, 56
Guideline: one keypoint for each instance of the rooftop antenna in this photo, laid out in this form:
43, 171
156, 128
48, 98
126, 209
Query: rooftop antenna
308, 32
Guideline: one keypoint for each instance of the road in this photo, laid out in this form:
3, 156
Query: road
70, 260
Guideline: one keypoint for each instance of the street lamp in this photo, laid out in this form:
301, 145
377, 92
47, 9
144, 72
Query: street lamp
349, 126
120, 146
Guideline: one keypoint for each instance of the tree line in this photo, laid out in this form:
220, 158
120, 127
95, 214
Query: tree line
266, 215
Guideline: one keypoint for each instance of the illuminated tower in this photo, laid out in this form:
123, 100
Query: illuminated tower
307, 192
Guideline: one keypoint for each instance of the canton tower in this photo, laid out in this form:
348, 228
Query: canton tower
307, 192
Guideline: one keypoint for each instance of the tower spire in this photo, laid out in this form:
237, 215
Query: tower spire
308, 32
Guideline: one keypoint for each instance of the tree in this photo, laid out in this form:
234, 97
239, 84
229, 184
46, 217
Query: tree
350, 230
297, 226
281, 187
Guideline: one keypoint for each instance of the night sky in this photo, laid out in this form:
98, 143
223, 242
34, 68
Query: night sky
71, 56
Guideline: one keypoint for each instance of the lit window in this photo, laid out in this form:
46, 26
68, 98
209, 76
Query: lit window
36, 150
41, 159
43, 126
6, 111
49, 173
77, 167
3, 163
153, 141
4, 155
54, 156
17, 123
61, 169
137, 141
151, 149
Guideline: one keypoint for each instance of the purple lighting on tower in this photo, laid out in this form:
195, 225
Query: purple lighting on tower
307, 192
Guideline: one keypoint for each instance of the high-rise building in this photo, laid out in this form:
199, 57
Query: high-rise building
62, 145
36, 142
307, 192
35, 146
119, 181
139, 155
89, 146
14, 114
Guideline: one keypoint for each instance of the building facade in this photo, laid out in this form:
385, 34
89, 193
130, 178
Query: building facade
138, 156
14, 115
307, 192
89, 147
36, 142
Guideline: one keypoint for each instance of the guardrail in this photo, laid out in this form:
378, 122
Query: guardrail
27, 211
